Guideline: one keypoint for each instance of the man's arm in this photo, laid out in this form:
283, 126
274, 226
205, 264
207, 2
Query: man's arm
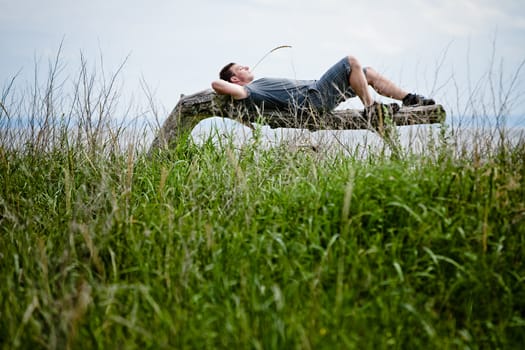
224, 87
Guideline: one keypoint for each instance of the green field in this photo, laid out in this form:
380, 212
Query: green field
208, 247
205, 248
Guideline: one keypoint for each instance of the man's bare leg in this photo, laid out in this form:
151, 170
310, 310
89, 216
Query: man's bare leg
383, 86
358, 82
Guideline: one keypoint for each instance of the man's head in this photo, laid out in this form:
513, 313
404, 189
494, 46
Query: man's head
226, 72
237, 74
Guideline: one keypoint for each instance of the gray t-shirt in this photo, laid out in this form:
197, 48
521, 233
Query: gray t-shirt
277, 93
323, 95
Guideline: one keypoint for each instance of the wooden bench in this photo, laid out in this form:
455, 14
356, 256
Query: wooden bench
191, 109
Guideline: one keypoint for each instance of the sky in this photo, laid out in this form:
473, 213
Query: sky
447, 49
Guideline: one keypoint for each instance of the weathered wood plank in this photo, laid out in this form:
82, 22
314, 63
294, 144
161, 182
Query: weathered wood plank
191, 109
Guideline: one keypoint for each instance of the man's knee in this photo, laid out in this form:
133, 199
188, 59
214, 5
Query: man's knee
354, 62
370, 74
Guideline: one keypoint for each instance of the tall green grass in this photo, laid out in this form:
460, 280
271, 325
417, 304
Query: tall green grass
213, 247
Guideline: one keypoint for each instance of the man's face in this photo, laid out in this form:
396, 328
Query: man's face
242, 74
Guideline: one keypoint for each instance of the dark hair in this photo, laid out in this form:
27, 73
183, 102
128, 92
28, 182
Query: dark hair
226, 72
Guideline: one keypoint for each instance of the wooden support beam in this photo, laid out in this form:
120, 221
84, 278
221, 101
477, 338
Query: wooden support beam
191, 109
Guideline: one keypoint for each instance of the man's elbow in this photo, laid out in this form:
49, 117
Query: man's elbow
217, 87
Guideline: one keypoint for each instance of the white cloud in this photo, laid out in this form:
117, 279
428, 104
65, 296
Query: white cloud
462, 18
179, 46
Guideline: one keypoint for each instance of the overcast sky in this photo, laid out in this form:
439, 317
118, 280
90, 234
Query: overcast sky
435, 47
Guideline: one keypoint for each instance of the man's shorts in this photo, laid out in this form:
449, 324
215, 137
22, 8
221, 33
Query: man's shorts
332, 88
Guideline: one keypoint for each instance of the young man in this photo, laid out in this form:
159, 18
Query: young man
346, 79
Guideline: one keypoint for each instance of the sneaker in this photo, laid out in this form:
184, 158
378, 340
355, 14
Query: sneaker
393, 107
380, 109
417, 100
377, 113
